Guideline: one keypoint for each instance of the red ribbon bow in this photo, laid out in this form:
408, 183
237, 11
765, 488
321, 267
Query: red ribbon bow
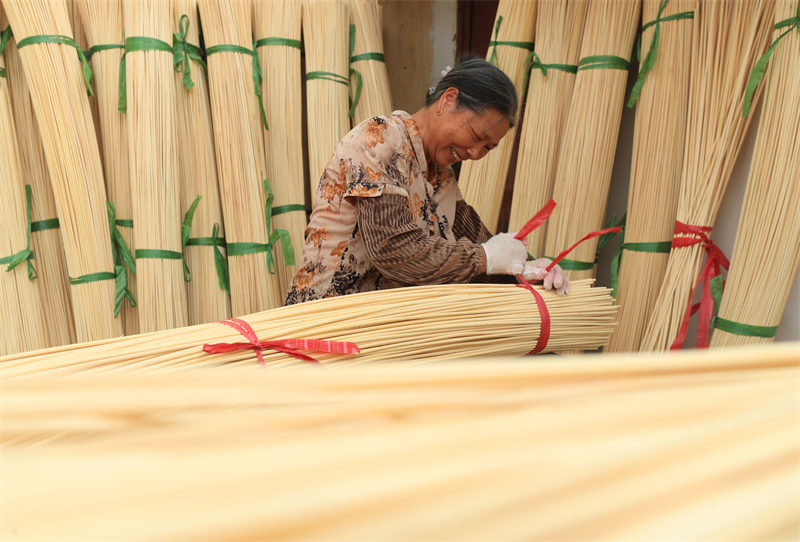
715, 262
536, 220
287, 346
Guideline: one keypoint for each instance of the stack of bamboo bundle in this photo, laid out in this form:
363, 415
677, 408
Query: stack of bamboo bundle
483, 182
586, 157
206, 267
425, 322
636, 448
769, 229
277, 34
52, 280
658, 141
58, 85
723, 30
367, 64
559, 30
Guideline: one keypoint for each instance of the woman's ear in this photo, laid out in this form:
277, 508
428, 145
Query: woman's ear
448, 99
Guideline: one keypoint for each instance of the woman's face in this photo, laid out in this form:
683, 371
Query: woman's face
457, 133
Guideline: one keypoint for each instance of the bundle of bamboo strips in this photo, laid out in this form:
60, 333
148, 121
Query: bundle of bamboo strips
51, 265
277, 34
239, 146
658, 140
81, 38
769, 228
728, 39
102, 20
58, 88
586, 157
156, 189
208, 301
21, 316
325, 34
483, 182
364, 451
367, 62
559, 30
426, 322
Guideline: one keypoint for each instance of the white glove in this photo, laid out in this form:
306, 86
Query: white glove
504, 255
555, 278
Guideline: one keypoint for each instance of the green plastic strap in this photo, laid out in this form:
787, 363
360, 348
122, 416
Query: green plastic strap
5, 35
716, 285
527, 45
133, 44
746, 330
652, 246
354, 72
603, 62
63, 40
26, 254
123, 261
760, 67
92, 277
102, 47
257, 76
288, 208
186, 230
650, 60
124, 223
297, 44
46, 224
533, 62
328, 76
575, 265
157, 254
220, 262
368, 56
182, 52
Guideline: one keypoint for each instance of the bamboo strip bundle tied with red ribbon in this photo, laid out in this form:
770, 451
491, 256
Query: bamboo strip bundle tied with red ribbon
723, 30
768, 238
483, 182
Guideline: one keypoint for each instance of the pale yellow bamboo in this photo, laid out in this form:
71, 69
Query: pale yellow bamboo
282, 90
58, 93
559, 30
53, 279
376, 96
769, 227
483, 182
658, 144
239, 145
715, 131
207, 301
586, 156
103, 22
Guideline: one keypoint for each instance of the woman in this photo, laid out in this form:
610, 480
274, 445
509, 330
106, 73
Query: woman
388, 211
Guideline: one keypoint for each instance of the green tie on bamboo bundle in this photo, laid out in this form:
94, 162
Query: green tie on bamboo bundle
26, 254
5, 36
257, 75
65, 40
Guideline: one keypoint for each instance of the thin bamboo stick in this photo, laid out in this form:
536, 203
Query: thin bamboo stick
483, 182
53, 279
282, 90
586, 157
241, 166
769, 227
207, 300
58, 93
559, 30
376, 96
714, 134
658, 142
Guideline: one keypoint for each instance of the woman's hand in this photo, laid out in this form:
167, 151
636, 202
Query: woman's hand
504, 255
554, 279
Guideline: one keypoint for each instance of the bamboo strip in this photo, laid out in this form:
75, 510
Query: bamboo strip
103, 22
715, 130
20, 306
152, 153
53, 279
282, 90
207, 301
376, 96
436, 322
769, 227
586, 157
658, 141
58, 93
559, 30
239, 147
483, 183
325, 25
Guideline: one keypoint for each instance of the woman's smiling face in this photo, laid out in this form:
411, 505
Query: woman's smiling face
458, 133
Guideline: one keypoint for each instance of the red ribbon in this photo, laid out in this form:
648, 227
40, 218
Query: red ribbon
537, 220
615, 229
544, 316
715, 262
287, 346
